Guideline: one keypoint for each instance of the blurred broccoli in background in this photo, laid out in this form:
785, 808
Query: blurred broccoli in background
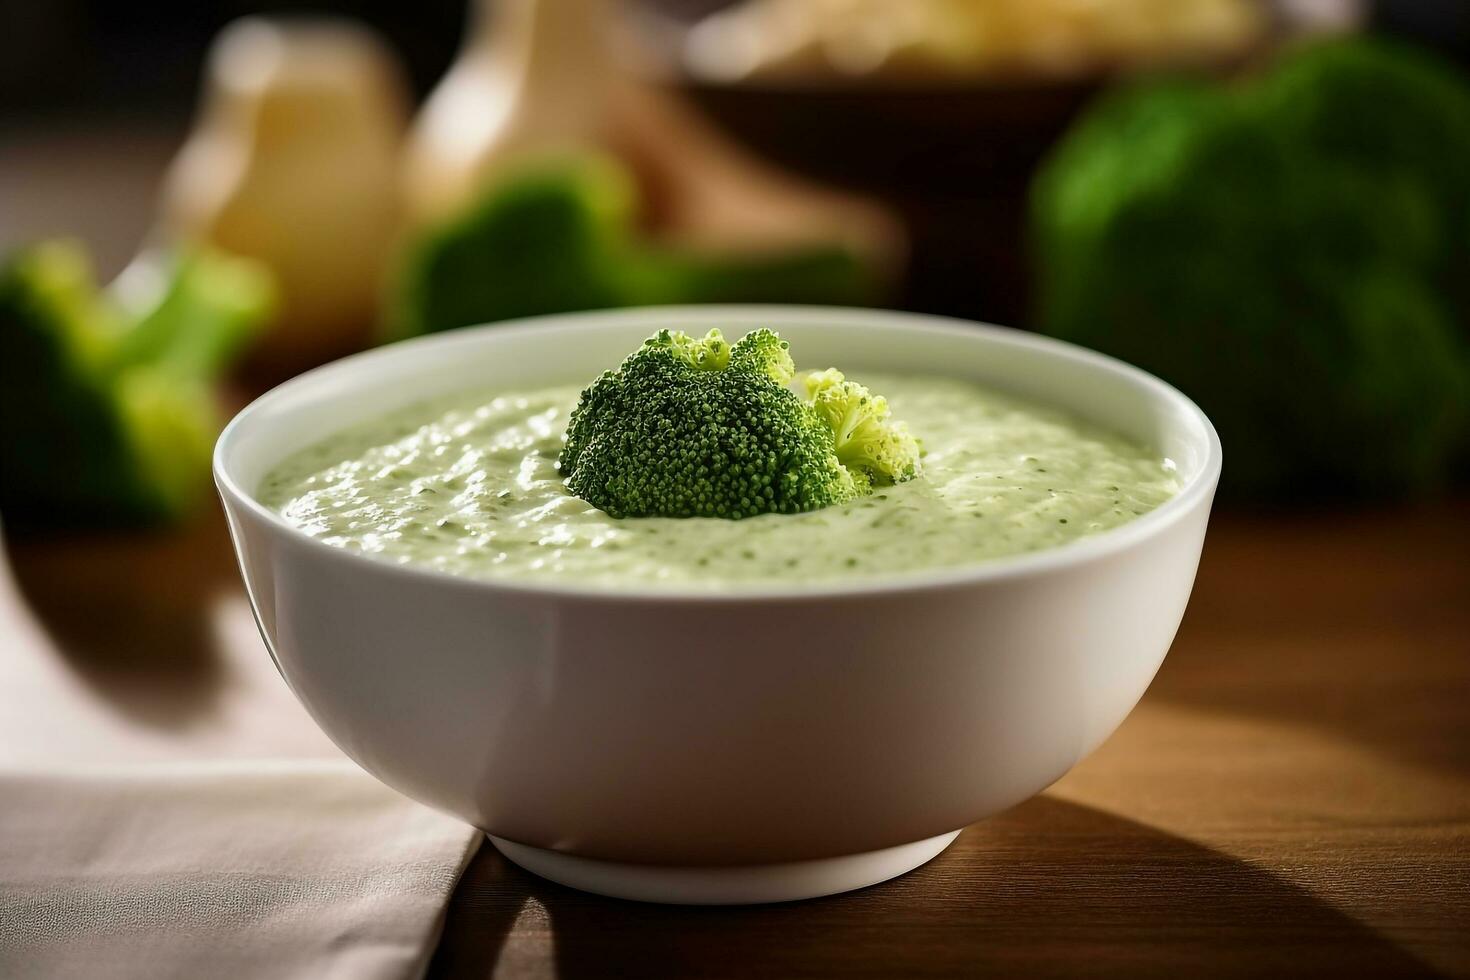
1292, 250
107, 415
563, 238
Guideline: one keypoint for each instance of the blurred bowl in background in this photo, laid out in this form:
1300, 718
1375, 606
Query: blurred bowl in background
953, 160
946, 131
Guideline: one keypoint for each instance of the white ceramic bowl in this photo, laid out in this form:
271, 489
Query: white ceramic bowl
759, 745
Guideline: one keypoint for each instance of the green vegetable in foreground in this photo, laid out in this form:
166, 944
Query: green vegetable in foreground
107, 415
1292, 250
698, 427
563, 238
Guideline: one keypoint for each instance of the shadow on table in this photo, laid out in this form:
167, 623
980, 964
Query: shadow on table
1049, 888
130, 614
1352, 622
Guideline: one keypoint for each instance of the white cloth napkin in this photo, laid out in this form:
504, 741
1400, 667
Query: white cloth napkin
273, 869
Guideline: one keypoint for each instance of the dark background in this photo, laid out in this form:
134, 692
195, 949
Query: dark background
110, 57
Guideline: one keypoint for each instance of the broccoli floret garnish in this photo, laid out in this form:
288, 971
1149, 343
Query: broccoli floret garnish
691, 427
107, 410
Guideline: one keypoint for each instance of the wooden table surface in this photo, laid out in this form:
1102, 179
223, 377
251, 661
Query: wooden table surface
1292, 795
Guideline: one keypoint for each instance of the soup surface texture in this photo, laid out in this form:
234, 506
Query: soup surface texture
468, 484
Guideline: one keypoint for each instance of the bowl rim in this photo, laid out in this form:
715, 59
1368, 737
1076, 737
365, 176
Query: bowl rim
1198, 490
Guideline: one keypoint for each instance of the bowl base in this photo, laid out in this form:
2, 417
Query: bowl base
734, 885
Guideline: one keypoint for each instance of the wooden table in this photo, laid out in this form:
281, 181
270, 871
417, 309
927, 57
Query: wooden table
1291, 796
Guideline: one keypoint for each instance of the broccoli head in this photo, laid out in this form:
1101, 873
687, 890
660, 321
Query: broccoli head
690, 427
107, 416
1292, 250
562, 237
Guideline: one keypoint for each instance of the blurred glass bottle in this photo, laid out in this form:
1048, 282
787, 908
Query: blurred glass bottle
532, 81
294, 161
541, 81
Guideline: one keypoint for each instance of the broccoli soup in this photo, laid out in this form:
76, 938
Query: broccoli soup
469, 484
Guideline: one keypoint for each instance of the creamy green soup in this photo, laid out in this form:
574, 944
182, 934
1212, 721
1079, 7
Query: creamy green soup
468, 484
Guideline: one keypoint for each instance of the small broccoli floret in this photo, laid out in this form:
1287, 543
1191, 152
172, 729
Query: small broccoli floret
699, 428
107, 414
765, 353
709, 353
866, 438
